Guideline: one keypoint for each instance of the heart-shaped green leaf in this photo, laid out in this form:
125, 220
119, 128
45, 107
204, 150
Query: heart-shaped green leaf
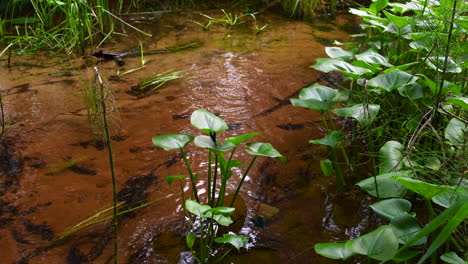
333, 250
190, 239
380, 244
426, 190
406, 227
391, 208
438, 63
448, 198
172, 141
332, 139
337, 52
364, 114
207, 142
452, 258
390, 155
196, 208
411, 90
387, 187
319, 97
371, 56
392, 80
459, 101
328, 65
455, 133
207, 121
170, 179
327, 167
264, 149
241, 138
235, 240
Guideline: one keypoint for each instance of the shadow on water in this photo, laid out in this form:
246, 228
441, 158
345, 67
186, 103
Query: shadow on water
244, 77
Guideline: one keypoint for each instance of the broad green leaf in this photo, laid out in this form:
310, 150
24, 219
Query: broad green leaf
322, 93
437, 63
190, 239
377, 6
333, 250
332, 139
380, 244
207, 142
221, 219
319, 97
399, 21
462, 102
196, 208
328, 65
172, 141
374, 68
448, 198
452, 258
390, 156
226, 211
337, 52
170, 179
241, 138
364, 114
426, 190
459, 217
264, 149
235, 240
433, 225
456, 132
207, 121
392, 80
391, 208
327, 167
371, 56
405, 227
432, 163
411, 90
405, 255
387, 187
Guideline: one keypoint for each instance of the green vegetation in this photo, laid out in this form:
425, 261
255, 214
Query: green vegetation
72, 26
213, 213
149, 85
406, 97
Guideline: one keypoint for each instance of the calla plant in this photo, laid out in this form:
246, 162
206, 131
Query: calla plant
213, 213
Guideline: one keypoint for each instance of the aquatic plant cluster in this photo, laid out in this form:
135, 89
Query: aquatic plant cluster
405, 96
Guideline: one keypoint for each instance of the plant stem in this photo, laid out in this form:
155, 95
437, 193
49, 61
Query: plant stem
192, 179
210, 202
111, 161
224, 178
242, 181
3, 114
213, 193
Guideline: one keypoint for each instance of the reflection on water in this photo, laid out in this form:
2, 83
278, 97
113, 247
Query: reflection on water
244, 78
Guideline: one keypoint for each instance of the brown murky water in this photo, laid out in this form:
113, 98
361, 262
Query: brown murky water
246, 79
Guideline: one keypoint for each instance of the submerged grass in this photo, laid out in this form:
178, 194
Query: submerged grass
68, 163
149, 85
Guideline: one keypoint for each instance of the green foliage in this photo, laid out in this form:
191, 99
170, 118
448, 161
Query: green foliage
213, 213
408, 99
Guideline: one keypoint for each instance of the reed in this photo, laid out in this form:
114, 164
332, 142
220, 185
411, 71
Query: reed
102, 96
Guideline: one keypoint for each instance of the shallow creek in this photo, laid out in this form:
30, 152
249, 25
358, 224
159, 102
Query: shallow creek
245, 78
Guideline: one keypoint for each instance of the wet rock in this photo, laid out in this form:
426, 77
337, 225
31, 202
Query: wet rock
43, 230
82, 170
290, 127
266, 210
